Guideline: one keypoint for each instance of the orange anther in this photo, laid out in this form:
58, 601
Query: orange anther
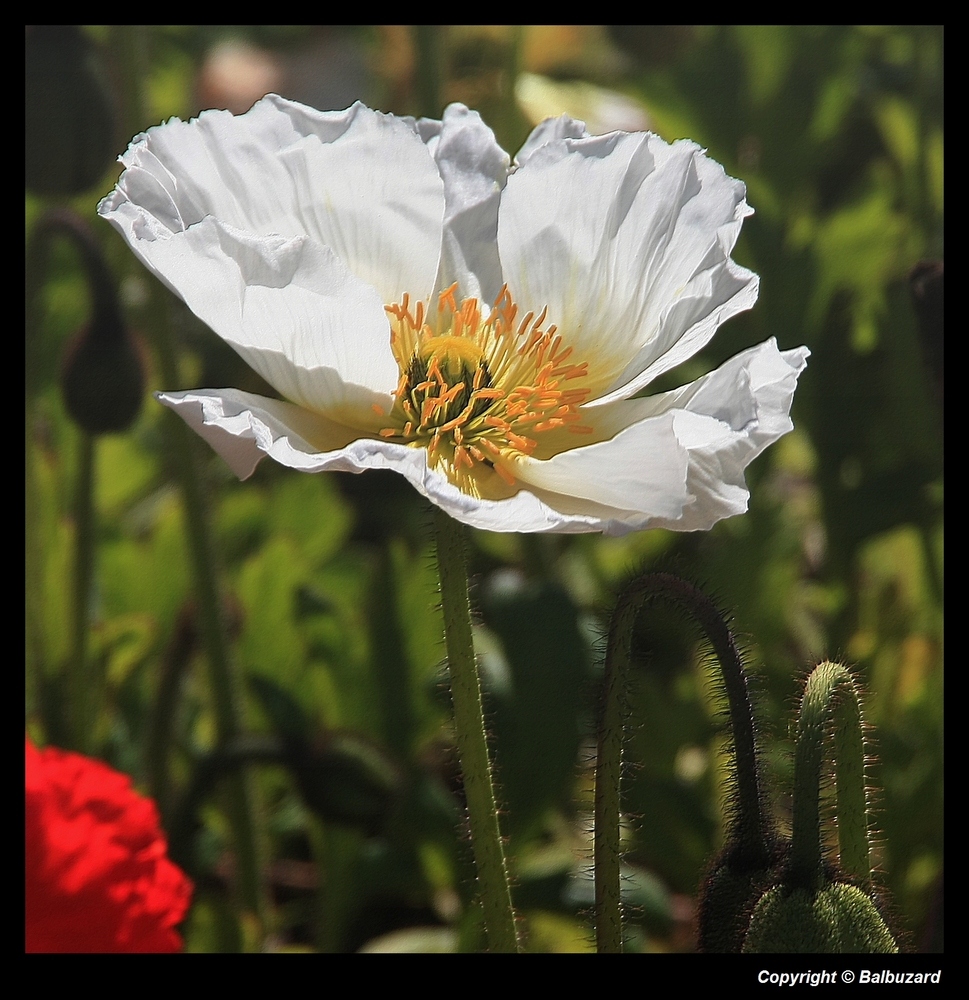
497, 422
446, 298
505, 474
456, 422
452, 394
427, 409
521, 443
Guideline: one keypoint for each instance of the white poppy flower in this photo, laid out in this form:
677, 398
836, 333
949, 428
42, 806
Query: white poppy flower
478, 326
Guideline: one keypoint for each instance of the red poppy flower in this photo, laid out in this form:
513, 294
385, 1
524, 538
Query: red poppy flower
98, 878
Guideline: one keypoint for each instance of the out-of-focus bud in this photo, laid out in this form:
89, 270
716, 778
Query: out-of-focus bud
346, 780
102, 374
103, 378
69, 112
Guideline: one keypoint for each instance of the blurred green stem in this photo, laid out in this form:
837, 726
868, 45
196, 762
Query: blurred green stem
35, 646
82, 684
161, 723
830, 698
472, 742
429, 43
389, 659
226, 682
335, 850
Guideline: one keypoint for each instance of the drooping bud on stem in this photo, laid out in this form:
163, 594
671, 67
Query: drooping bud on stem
102, 374
739, 873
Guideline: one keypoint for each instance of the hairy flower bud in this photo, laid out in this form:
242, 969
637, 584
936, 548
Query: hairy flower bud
838, 918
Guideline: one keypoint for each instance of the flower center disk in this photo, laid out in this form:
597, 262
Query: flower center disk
479, 392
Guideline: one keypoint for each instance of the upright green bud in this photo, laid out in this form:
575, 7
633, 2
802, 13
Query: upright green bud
816, 907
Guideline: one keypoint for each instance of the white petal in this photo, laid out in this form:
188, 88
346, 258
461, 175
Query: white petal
642, 468
244, 428
749, 400
288, 305
359, 182
723, 421
474, 169
626, 240
548, 131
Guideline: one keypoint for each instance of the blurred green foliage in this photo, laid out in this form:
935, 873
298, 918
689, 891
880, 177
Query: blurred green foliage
330, 580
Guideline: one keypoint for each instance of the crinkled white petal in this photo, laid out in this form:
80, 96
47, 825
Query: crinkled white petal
722, 422
674, 461
287, 231
243, 428
626, 239
550, 130
356, 181
474, 169
289, 307
643, 467
749, 399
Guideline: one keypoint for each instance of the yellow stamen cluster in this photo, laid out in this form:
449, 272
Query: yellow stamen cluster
474, 391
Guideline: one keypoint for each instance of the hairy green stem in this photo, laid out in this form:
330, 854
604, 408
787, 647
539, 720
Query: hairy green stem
830, 703
748, 819
469, 724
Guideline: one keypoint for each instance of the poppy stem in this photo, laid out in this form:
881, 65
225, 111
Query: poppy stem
82, 683
472, 742
429, 43
752, 832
